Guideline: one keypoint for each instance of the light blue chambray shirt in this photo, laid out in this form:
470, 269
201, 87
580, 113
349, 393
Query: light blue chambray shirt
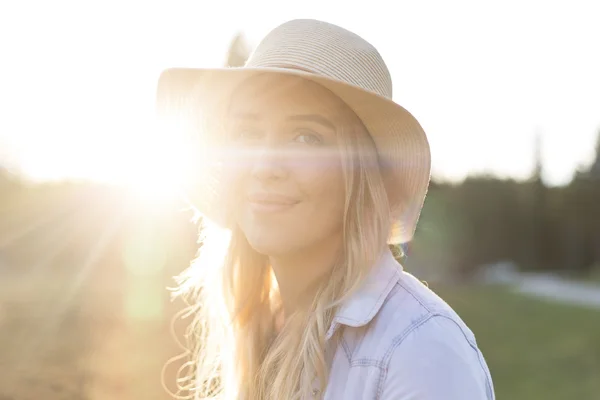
402, 342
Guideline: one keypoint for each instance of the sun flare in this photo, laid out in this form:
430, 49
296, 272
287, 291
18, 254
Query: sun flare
158, 171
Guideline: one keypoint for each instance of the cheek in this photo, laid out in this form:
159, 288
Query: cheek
232, 187
326, 195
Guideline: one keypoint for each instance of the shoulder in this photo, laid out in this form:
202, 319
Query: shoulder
424, 349
411, 308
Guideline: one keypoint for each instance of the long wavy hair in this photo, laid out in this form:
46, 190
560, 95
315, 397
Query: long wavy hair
234, 349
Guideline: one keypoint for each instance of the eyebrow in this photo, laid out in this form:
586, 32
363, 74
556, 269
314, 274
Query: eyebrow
313, 118
319, 119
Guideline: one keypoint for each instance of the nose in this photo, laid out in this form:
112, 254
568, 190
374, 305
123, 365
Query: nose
267, 162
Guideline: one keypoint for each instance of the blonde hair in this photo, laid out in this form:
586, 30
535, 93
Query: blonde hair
233, 347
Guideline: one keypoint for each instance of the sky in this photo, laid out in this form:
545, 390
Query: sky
78, 78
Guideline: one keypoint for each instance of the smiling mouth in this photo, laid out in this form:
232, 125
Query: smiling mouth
269, 203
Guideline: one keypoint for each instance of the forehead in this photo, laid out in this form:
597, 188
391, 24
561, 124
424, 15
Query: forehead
278, 94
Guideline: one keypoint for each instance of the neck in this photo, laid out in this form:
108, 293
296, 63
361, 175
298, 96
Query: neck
298, 273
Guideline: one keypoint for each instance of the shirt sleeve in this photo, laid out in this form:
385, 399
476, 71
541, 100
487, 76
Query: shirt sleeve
436, 362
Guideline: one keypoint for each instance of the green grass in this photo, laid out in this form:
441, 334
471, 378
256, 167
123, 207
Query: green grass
535, 349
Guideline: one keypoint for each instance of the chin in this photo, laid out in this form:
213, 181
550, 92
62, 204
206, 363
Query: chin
271, 246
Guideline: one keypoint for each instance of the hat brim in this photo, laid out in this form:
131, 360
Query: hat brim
399, 138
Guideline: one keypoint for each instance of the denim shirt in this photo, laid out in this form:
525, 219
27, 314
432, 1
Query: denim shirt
402, 342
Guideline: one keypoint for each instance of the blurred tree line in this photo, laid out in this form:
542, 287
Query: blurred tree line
485, 220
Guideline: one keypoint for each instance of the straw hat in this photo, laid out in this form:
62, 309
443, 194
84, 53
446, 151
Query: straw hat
352, 69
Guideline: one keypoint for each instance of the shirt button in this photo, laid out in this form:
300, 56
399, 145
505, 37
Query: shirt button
315, 392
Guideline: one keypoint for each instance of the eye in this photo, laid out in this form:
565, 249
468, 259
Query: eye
309, 138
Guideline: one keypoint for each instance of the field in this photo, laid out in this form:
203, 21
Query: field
84, 309
535, 349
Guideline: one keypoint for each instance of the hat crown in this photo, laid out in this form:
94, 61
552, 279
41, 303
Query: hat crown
324, 49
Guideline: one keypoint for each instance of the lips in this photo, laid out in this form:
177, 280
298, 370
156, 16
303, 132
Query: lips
270, 202
271, 198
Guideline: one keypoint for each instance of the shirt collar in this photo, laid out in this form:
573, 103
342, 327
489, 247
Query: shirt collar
360, 308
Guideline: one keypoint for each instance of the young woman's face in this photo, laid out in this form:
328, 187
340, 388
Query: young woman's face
285, 168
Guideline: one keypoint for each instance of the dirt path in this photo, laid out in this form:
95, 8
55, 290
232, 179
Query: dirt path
558, 289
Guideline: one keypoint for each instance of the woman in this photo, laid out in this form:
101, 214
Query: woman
309, 171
